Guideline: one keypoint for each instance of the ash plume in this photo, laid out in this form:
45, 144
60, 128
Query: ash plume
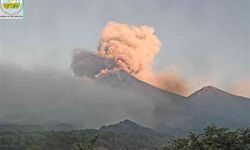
38, 95
131, 49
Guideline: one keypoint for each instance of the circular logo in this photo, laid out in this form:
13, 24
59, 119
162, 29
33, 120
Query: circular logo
11, 7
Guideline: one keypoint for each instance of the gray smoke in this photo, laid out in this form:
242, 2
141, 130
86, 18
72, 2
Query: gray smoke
38, 95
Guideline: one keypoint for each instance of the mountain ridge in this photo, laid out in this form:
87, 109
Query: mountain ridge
209, 105
213, 90
90, 103
130, 79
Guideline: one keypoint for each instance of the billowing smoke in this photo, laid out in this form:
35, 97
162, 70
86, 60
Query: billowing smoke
171, 81
131, 49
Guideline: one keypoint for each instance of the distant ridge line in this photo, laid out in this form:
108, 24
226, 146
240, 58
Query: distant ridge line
213, 89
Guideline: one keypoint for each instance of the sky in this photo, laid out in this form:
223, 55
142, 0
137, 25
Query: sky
207, 41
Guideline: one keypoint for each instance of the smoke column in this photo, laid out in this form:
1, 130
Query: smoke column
133, 49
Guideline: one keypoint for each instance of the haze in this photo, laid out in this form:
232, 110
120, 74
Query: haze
207, 41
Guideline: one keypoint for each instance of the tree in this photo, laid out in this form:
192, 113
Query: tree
213, 138
86, 145
1, 140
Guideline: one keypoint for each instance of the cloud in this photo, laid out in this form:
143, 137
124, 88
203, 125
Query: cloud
131, 49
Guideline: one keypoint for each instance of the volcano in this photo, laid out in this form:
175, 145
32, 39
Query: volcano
206, 106
35, 97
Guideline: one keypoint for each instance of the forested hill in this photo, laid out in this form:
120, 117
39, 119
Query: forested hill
123, 135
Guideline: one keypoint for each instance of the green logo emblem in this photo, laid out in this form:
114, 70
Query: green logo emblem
12, 7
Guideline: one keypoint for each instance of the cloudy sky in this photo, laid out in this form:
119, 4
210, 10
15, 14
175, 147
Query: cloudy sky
205, 40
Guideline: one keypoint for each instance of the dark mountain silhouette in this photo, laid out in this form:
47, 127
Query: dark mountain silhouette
125, 135
35, 97
209, 105
129, 127
206, 106
129, 135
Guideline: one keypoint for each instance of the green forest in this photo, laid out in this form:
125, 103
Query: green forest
114, 138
